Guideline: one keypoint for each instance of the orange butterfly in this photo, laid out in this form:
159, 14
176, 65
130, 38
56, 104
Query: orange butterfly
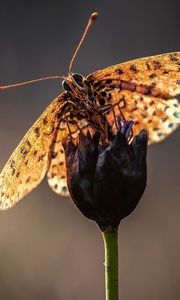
142, 90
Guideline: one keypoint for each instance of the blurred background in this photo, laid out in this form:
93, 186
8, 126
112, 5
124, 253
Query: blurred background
47, 249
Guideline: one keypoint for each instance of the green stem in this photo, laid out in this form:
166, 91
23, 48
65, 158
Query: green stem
111, 264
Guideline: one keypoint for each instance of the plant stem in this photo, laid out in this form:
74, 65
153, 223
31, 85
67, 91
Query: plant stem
111, 264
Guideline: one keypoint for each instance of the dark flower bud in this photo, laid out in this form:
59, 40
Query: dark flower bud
106, 181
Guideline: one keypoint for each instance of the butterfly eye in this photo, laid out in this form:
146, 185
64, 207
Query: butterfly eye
101, 101
66, 86
78, 78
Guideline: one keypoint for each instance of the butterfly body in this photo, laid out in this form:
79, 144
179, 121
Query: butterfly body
142, 90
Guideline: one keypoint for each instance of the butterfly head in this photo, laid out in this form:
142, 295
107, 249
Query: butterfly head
75, 86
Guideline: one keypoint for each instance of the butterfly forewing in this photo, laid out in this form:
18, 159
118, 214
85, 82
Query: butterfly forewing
29, 162
142, 90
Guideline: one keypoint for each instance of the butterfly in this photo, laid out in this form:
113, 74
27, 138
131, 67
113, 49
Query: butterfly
142, 90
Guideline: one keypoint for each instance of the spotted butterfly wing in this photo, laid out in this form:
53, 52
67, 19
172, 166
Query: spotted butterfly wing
142, 90
41, 152
30, 161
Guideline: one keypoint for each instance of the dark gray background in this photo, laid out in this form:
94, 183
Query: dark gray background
47, 249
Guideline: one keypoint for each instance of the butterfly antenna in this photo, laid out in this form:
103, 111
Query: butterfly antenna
90, 23
92, 18
2, 88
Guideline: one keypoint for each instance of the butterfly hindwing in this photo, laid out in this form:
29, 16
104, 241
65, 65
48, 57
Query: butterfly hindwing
159, 118
57, 175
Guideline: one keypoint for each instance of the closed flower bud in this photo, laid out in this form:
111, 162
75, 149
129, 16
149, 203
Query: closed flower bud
106, 181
